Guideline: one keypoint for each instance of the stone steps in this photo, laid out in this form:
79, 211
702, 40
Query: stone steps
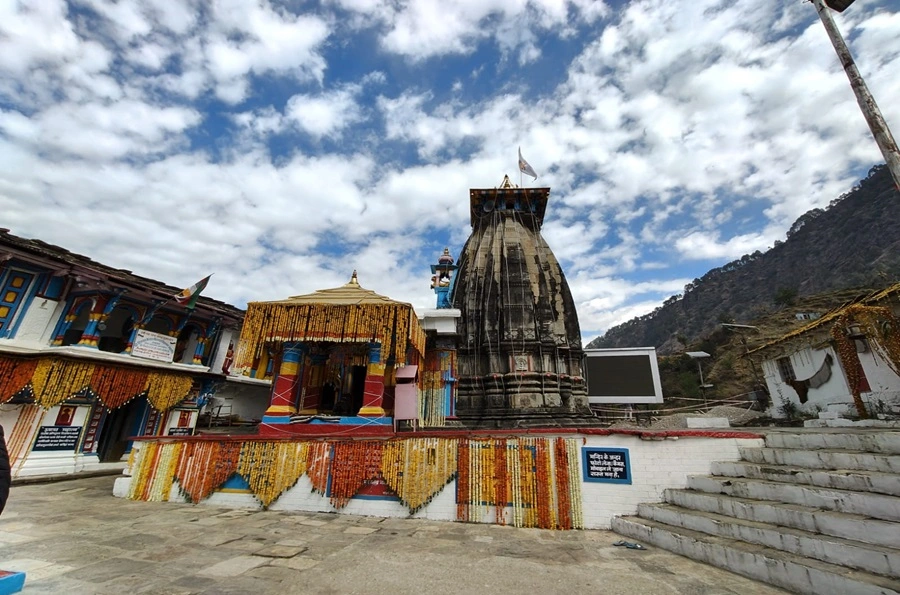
823, 459
834, 550
812, 512
877, 506
783, 569
841, 479
808, 518
883, 442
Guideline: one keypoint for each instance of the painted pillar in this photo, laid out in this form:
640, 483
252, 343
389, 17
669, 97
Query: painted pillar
91, 335
284, 388
198, 350
312, 399
373, 395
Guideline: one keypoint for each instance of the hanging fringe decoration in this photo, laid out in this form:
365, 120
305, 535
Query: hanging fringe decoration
525, 482
318, 465
271, 468
115, 385
417, 469
167, 389
354, 464
56, 380
155, 472
536, 479
394, 325
15, 373
205, 466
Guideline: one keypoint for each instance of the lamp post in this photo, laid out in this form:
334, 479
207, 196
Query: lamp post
867, 104
699, 355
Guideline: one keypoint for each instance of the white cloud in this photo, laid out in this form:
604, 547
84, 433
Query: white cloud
326, 114
247, 139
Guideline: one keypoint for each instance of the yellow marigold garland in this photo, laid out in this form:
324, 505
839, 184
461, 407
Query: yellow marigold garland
537, 479
167, 389
416, 469
55, 380
394, 325
155, 472
270, 468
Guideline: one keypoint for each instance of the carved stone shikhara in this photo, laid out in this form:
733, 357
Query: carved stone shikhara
520, 354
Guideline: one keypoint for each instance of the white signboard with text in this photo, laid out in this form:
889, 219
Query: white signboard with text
154, 346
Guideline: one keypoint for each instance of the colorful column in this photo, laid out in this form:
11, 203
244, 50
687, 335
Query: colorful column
315, 378
284, 388
373, 394
91, 335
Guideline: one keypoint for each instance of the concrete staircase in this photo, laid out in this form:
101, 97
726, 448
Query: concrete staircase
812, 512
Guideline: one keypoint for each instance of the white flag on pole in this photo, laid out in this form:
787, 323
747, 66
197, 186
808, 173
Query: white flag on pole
524, 167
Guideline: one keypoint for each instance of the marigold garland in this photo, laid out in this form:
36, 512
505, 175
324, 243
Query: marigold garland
167, 389
536, 479
318, 465
394, 325
15, 373
117, 385
55, 380
205, 466
416, 469
155, 472
527, 482
354, 464
270, 468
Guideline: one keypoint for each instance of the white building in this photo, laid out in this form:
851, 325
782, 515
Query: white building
91, 356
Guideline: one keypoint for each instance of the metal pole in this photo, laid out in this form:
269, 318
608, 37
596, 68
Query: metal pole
867, 104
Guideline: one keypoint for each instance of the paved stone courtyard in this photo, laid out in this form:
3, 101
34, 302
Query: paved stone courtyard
74, 538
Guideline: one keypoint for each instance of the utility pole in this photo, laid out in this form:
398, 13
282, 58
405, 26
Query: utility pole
867, 104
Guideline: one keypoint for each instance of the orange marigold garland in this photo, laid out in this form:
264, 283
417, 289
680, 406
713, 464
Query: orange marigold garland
318, 465
15, 373
154, 475
167, 389
117, 385
417, 469
204, 466
55, 380
563, 495
354, 464
270, 468
535, 478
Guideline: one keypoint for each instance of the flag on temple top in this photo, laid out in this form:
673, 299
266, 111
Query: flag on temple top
524, 167
188, 297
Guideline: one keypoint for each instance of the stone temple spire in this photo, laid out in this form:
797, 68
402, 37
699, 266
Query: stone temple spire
520, 355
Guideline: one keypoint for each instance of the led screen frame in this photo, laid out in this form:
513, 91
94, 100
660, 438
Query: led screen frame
622, 375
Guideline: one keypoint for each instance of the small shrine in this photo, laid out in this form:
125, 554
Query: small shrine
335, 355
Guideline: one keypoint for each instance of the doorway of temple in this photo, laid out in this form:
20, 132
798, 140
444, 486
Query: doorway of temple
357, 388
119, 425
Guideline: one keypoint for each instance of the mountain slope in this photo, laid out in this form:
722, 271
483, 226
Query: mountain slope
853, 242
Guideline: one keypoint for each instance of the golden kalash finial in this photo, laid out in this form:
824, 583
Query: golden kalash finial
507, 183
353, 279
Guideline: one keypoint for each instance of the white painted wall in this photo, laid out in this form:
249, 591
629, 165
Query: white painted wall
835, 394
38, 322
655, 466
885, 384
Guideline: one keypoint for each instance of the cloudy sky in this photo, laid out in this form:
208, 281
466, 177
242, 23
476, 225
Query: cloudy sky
280, 145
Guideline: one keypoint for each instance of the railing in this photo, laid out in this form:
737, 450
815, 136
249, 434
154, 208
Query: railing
746, 401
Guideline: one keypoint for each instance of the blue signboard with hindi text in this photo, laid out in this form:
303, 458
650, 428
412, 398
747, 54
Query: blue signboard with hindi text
606, 465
